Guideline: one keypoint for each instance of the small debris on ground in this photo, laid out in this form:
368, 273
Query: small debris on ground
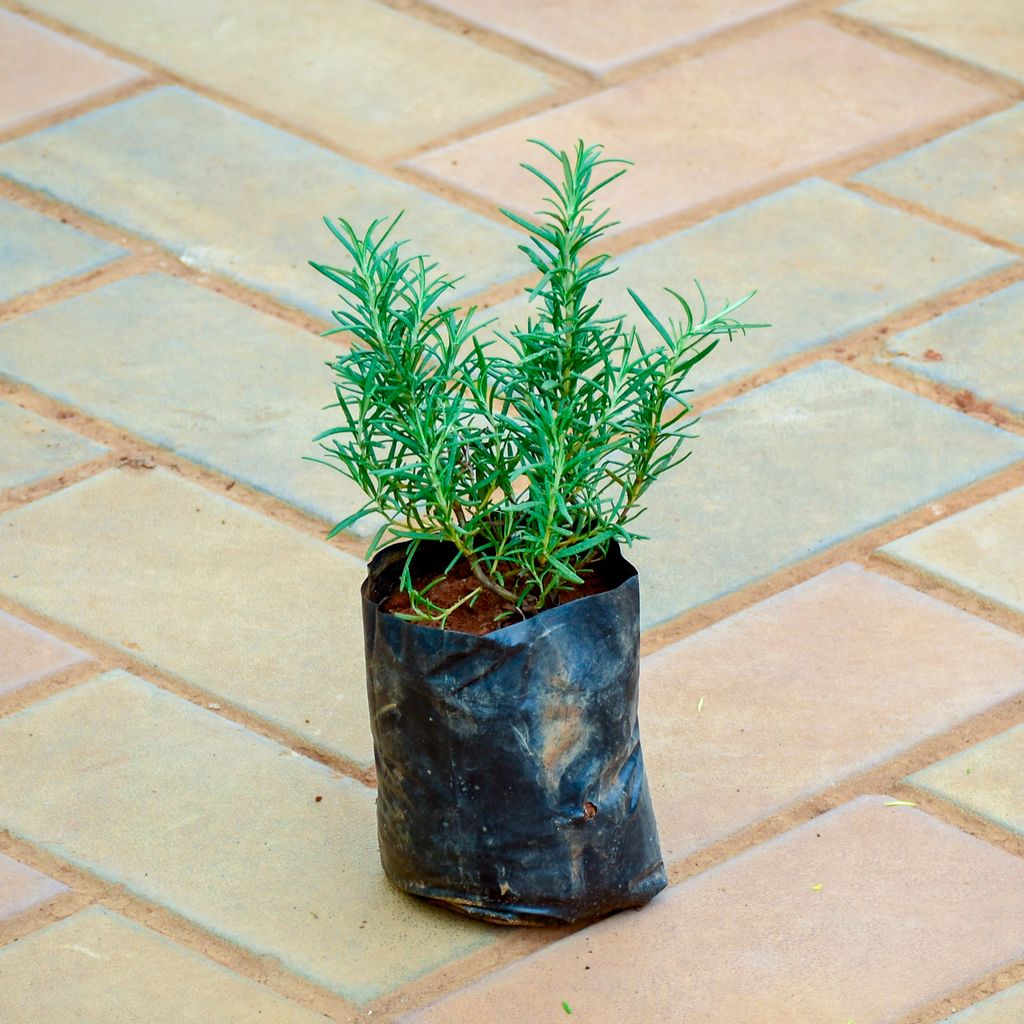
932, 356
700, 704
137, 461
213, 707
566, 1006
900, 803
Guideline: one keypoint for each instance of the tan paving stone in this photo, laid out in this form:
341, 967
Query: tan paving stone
28, 654
33, 448
42, 71
227, 599
368, 78
987, 779
36, 251
802, 690
249, 405
232, 195
99, 968
793, 467
992, 34
600, 35
222, 826
974, 175
878, 261
741, 116
908, 909
21, 889
980, 550
976, 347
1006, 1007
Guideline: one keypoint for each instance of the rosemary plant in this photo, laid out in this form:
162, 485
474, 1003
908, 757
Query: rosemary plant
529, 464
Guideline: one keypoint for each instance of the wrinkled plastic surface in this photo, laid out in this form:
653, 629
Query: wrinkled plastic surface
511, 782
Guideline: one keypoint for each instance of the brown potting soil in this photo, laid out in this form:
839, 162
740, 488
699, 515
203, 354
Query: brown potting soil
487, 611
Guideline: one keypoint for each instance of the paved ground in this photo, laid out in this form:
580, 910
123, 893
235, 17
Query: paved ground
834, 591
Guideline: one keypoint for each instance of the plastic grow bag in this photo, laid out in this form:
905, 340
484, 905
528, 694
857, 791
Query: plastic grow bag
511, 781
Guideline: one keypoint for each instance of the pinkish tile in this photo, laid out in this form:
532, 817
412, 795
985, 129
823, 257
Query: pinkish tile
22, 888
43, 71
746, 115
805, 689
860, 915
28, 654
600, 35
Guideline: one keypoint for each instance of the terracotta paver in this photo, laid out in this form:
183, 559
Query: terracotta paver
1003, 1008
975, 175
43, 71
976, 347
978, 550
27, 654
596, 36
223, 827
189, 173
22, 888
908, 909
248, 406
987, 779
36, 251
878, 262
769, 106
355, 72
97, 967
802, 690
990, 37
795, 466
245, 608
33, 448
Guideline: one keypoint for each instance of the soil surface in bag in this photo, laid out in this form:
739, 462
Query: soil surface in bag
510, 777
487, 612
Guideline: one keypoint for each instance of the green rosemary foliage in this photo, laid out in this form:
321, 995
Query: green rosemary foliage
530, 464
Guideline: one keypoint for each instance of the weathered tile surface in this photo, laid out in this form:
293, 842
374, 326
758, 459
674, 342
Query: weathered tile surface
752, 940
805, 689
796, 466
987, 779
1006, 1007
877, 262
248, 404
22, 888
977, 347
601, 35
235, 196
28, 654
222, 826
369, 79
36, 251
235, 603
990, 36
765, 107
975, 175
43, 71
979, 550
100, 968
33, 448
